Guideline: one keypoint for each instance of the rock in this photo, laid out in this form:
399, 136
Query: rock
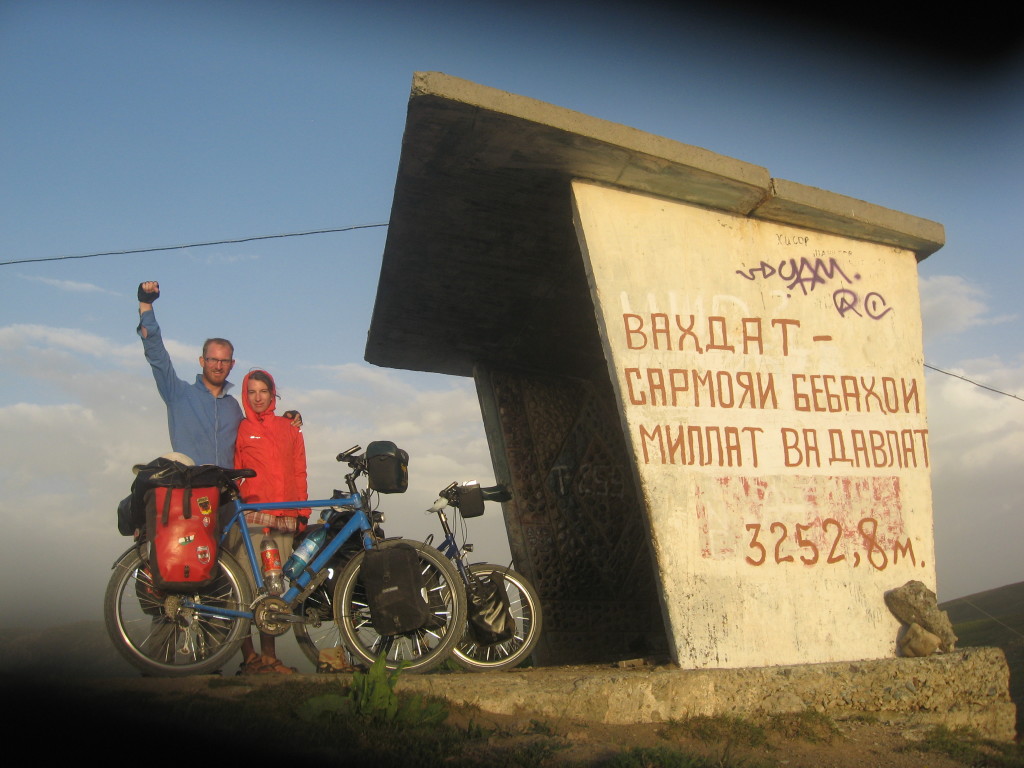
918, 641
332, 661
914, 603
630, 663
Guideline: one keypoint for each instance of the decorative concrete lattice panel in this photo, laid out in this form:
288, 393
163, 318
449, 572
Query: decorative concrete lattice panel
575, 526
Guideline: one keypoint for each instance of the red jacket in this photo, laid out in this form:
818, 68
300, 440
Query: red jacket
275, 449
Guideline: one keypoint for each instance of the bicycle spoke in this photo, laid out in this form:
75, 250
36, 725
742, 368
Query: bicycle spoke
161, 636
523, 606
422, 648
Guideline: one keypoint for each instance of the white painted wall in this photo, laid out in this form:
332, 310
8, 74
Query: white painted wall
811, 496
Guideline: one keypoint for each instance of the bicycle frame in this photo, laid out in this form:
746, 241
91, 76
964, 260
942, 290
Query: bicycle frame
499, 648
327, 604
360, 522
449, 547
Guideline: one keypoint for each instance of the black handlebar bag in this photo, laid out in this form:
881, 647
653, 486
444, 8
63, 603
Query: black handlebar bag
387, 467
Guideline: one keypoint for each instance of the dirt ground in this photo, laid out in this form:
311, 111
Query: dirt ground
543, 741
856, 744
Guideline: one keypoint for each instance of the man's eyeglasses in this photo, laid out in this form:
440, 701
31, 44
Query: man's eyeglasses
217, 360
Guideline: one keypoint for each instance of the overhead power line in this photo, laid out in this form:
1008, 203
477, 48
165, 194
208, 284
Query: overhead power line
347, 229
192, 245
975, 383
978, 608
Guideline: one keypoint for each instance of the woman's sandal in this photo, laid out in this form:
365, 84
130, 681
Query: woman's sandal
251, 665
275, 667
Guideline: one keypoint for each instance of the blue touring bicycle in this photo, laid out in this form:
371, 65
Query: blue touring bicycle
186, 633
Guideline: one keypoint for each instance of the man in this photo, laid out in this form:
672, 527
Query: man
202, 417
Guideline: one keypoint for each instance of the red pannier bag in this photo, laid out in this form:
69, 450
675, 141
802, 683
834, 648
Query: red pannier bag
183, 530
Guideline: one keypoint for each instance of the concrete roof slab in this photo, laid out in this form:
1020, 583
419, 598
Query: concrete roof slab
793, 203
482, 263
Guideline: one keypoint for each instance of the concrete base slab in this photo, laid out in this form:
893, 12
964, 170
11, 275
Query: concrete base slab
967, 688
964, 688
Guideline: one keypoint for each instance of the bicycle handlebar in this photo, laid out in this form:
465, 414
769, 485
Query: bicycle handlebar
450, 496
346, 455
237, 474
499, 492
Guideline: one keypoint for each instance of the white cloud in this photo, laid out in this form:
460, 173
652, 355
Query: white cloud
65, 466
977, 447
45, 338
362, 375
68, 285
437, 421
57, 469
54, 354
950, 304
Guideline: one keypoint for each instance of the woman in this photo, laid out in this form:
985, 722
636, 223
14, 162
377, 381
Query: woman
272, 446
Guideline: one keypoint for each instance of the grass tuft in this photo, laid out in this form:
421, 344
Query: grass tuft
808, 725
665, 757
717, 728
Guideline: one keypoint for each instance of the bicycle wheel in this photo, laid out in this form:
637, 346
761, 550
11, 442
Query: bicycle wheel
163, 639
524, 605
416, 651
320, 631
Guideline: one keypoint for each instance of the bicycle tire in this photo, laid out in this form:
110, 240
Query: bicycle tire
189, 643
320, 631
524, 605
420, 650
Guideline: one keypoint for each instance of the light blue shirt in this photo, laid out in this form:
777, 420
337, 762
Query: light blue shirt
202, 426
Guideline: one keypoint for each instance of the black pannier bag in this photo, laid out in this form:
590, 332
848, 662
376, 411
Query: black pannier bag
490, 618
125, 520
131, 512
387, 467
393, 580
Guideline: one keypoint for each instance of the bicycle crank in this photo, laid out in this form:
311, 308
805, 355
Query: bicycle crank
273, 616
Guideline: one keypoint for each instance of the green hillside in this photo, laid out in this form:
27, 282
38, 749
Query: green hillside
995, 618
998, 611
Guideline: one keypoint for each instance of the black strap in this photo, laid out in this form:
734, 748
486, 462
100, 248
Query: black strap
186, 503
167, 506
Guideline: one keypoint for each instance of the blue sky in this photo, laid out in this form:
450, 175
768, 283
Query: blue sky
142, 124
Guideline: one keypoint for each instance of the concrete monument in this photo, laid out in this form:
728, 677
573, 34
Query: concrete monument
704, 385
